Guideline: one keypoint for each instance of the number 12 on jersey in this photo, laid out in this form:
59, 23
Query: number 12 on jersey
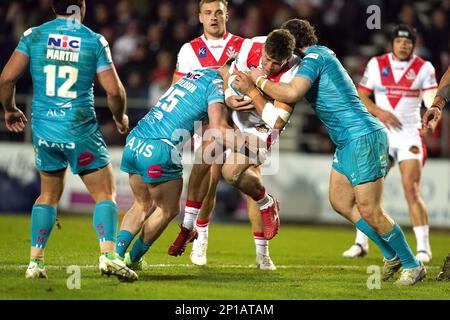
64, 72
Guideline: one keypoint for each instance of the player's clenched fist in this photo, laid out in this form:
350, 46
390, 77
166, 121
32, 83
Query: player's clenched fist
122, 124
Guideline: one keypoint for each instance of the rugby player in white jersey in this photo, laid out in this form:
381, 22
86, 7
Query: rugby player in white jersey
276, 57
400, 81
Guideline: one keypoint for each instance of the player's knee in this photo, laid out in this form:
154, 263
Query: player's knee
371, 213
104, 196
339, 207
50, 199
231, 177
412, 192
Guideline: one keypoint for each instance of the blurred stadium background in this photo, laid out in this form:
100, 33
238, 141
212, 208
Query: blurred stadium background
145, 36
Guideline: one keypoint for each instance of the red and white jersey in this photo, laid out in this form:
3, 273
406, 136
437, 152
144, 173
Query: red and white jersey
398, 86
207, 53
250, 57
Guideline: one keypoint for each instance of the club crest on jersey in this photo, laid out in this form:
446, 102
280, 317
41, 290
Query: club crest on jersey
411, 74
231, 51
385, 71
63, 42
202, 52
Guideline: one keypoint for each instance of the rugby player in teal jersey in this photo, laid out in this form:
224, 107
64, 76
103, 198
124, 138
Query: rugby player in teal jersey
64, 57
360, 161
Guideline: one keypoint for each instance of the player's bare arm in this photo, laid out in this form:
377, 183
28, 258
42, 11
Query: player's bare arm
117, 100
388, 118
15, 120
283, 92
433, 114
274, 115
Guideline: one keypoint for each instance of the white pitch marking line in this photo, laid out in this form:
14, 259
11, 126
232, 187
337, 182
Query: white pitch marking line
212, 266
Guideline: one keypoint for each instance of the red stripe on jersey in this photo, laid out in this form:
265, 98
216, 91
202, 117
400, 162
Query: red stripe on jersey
360, 86
180, 73
206, 58
406, 81
435, 87
254, 55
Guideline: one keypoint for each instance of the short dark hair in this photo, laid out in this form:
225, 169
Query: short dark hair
202, 2
304, 33
60, 6
280, 44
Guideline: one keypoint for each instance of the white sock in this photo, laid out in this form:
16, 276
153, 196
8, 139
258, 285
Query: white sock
190, 215
202, 230
265, 202
422, 237
261, 244
361, 238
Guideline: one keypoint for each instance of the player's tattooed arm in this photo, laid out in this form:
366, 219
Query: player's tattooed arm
15, 120
432, 116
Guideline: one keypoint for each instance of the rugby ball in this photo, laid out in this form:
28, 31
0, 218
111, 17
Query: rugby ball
233, 91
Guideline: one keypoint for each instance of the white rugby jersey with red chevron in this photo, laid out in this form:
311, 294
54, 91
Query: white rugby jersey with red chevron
250, 57
398, 87
207, 53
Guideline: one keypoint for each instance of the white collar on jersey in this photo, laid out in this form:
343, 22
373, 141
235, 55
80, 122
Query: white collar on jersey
226, 37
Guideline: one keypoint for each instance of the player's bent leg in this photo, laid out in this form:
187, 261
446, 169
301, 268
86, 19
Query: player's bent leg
198, 254
342, 200
167, 199
135, 217
235, 173
411, 173
43, 217
198, 187
368, 198
100, 184
263, 260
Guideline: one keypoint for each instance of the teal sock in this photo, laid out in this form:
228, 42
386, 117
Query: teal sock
105, 221
396, 239
123, 242
138, 250
365, 228
43, 219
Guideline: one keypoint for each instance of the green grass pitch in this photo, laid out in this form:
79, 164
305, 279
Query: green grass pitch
308, 259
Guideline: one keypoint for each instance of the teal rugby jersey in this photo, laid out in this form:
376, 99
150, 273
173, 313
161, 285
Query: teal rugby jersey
181, 106
334, 97
64, 59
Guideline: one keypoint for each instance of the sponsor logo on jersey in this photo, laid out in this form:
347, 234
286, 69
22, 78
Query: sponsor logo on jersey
194, 75
385, 71
86, 159
202, 52
411, 74
62, 42
155, 171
